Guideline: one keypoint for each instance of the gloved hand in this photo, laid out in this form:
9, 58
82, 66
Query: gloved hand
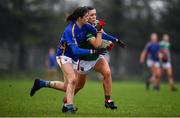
99, 51
110, 46
121, 43
101, 23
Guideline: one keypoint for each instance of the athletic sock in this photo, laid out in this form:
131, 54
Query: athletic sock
44, 83
107, 97
65, 100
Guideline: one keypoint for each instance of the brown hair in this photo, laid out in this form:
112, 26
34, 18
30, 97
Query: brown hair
78, 12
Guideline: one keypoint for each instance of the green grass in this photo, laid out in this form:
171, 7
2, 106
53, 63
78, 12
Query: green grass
131, 97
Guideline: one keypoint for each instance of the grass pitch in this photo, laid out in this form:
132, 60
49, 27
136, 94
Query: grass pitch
131, 97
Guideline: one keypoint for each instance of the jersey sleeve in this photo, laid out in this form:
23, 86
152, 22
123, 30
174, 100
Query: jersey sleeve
79, 51
90, 36
91, 29
108, 37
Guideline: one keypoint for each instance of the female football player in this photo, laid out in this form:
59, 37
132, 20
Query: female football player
166, 60
68, 52
152, 52
96, 62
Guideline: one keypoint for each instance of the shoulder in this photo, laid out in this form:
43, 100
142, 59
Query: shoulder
69, 28
87, 25
148, 44
161, 43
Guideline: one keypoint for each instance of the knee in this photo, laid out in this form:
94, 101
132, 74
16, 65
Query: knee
158, 75
72, 80
169, 76
65, 87
107, 73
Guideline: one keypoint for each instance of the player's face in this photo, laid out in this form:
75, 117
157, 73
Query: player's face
154, 37
166, 37
85, 18
92, 16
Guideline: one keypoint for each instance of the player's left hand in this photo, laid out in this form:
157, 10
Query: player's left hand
99, 51
101, 23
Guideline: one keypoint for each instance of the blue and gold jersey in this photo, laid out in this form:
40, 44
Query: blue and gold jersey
153, 50
73, 35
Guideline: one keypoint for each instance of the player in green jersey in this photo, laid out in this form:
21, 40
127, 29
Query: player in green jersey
97, 62
166, 59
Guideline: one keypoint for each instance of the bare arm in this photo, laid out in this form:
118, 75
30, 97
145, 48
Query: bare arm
160, 56
143, 56
96, 41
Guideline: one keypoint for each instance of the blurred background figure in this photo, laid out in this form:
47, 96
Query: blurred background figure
166, 60
51, 65
151, 53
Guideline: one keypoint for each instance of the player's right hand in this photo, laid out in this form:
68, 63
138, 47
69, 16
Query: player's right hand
99, 51
121, 43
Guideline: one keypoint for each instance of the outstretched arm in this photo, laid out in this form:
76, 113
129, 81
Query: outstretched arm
80, 51
108, 37
143, 56
105, 36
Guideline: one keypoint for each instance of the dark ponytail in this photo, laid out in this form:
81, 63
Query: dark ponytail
78, 12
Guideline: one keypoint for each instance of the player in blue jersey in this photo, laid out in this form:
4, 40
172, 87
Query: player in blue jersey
152, 53
51, 65
68, 52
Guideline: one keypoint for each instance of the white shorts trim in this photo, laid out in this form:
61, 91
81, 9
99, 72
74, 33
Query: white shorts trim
85, 66
166, 65
64, 59
151, 63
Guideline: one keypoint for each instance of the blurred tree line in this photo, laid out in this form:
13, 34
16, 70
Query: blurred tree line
39, 23
28, 23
